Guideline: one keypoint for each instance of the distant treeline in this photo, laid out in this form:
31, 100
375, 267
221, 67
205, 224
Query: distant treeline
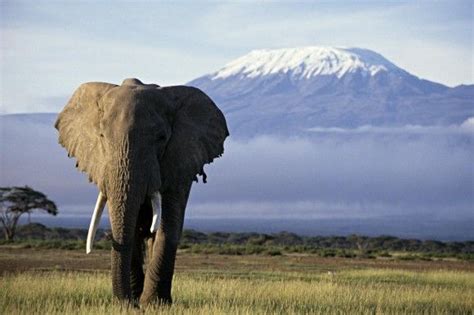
351, 242
258, 243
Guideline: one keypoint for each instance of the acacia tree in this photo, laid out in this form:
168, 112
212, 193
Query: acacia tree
16, 201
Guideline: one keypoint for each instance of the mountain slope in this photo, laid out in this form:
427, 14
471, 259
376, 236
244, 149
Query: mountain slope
288, 91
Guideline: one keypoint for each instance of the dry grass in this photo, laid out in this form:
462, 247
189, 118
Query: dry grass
207, 284
347, 292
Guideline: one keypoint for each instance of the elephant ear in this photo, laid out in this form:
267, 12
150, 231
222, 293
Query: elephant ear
198, 133
79, 130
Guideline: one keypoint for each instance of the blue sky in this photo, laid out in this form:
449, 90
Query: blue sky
49, 48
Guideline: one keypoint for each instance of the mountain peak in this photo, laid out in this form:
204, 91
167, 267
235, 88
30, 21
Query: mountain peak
306, 62
289, 91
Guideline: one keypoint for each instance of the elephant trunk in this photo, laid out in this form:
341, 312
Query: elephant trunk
127, 188
123, 212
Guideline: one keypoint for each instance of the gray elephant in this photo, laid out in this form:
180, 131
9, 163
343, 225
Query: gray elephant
142, 145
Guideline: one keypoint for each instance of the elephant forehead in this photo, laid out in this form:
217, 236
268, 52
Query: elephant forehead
135, 109
136, 100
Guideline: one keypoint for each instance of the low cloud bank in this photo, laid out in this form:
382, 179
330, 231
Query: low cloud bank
328, 174
342, 175
467, 127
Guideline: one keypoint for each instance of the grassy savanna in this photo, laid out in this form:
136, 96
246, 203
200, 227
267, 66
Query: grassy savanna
38, 281
350, 291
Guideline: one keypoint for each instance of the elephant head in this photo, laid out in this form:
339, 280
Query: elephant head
142, 145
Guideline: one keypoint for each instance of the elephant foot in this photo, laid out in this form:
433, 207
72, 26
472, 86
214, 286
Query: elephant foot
158, 293
136, 293
129, 305
164, 301
135, 305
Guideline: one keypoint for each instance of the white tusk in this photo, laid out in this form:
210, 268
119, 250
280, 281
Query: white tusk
156, 206
99, 208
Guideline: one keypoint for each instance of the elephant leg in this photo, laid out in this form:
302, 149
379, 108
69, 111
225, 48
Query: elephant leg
160, 270
137, 276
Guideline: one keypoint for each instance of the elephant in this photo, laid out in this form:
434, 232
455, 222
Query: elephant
142, 145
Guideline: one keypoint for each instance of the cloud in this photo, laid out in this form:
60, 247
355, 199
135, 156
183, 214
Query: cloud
313, 209
341, 174
327, 175
467, 127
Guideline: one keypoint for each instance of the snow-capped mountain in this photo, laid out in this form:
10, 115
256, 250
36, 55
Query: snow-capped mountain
305, 63
289, 91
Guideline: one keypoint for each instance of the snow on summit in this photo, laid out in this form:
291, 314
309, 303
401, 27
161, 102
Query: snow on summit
306, 62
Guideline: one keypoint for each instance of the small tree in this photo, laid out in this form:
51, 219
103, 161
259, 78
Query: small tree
15, 201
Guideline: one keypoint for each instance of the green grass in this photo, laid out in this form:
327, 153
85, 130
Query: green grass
370, 291
55, 244
247, 249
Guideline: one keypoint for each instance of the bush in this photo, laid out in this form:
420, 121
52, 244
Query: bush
346, 254
384, 254
273, 252
407, 257
327, 253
